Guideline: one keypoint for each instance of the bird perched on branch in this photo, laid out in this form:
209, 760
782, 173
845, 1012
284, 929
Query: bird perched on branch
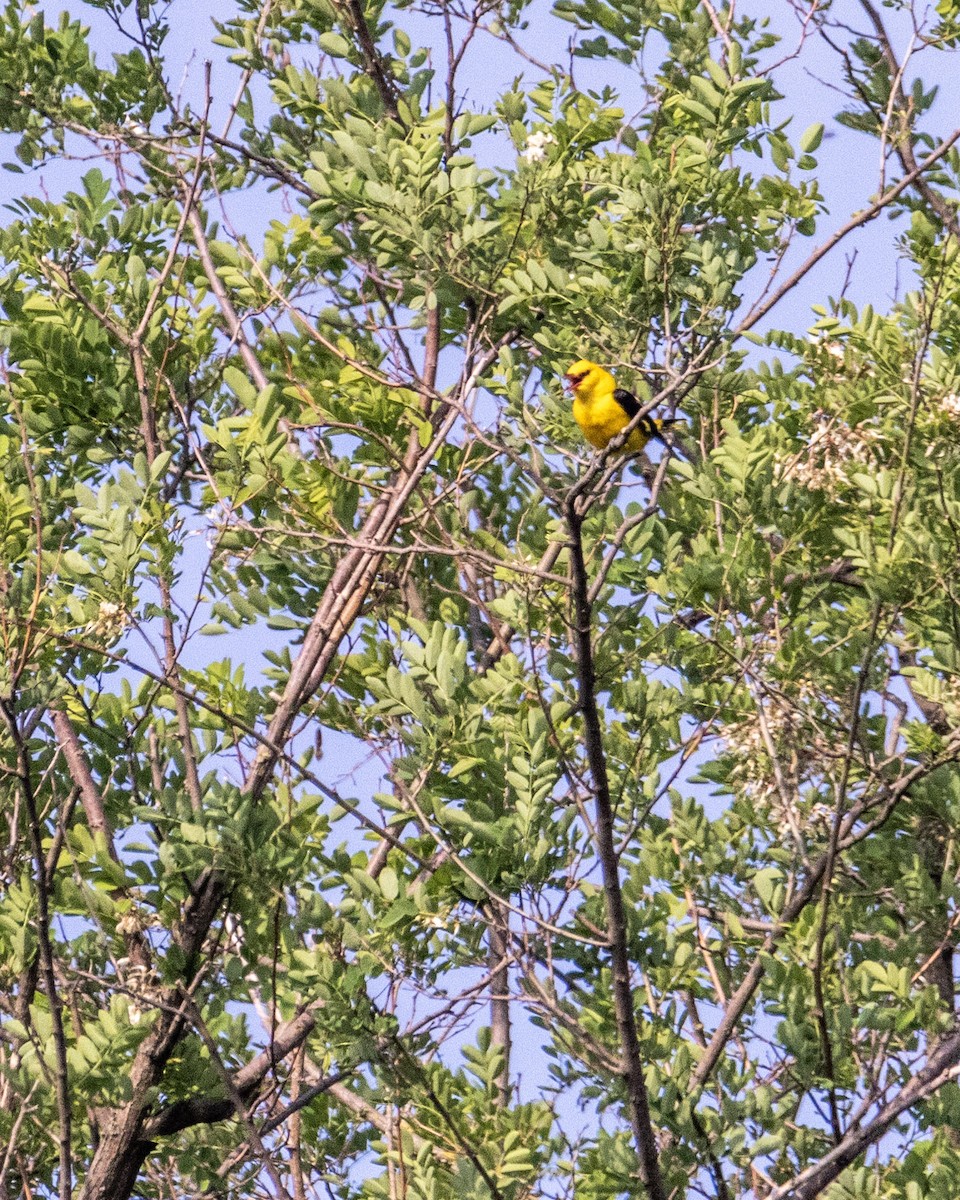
602, 410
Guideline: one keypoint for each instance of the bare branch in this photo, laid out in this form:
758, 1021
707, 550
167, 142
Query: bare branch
758, 312
943, 1066
45, 948
632, 1064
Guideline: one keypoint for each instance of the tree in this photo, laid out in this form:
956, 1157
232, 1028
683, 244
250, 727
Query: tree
556, 824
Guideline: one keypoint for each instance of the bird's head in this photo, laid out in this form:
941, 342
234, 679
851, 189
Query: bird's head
584, 375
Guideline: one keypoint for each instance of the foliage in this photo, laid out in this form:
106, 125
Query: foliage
398, 800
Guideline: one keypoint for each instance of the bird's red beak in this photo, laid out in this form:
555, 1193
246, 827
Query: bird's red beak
571, 381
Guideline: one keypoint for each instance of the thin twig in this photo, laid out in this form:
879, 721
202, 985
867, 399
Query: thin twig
869, 214
45, 950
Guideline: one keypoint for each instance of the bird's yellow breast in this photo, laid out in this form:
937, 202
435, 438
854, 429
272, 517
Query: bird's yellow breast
602, 418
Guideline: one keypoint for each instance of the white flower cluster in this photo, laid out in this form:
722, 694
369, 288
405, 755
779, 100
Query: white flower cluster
837, 358
826, 461
800, 746
835, 350
950, 405
747, 744
537, 144
143, 986
110, 621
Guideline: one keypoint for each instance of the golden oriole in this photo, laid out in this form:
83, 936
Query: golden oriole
602, 410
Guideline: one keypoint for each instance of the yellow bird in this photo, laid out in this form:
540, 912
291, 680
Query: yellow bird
602, 410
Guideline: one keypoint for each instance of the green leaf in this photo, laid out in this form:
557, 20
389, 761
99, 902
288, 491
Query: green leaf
811, 138
334, 44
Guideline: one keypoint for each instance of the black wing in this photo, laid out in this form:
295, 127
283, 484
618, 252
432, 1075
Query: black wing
631, 406
627, 401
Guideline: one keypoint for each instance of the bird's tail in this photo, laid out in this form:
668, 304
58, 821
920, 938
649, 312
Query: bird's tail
677, 439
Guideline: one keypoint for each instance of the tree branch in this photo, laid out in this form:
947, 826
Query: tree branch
943, 1065
757, 313
373, 61
45, 949
631, 1062
183, 1114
